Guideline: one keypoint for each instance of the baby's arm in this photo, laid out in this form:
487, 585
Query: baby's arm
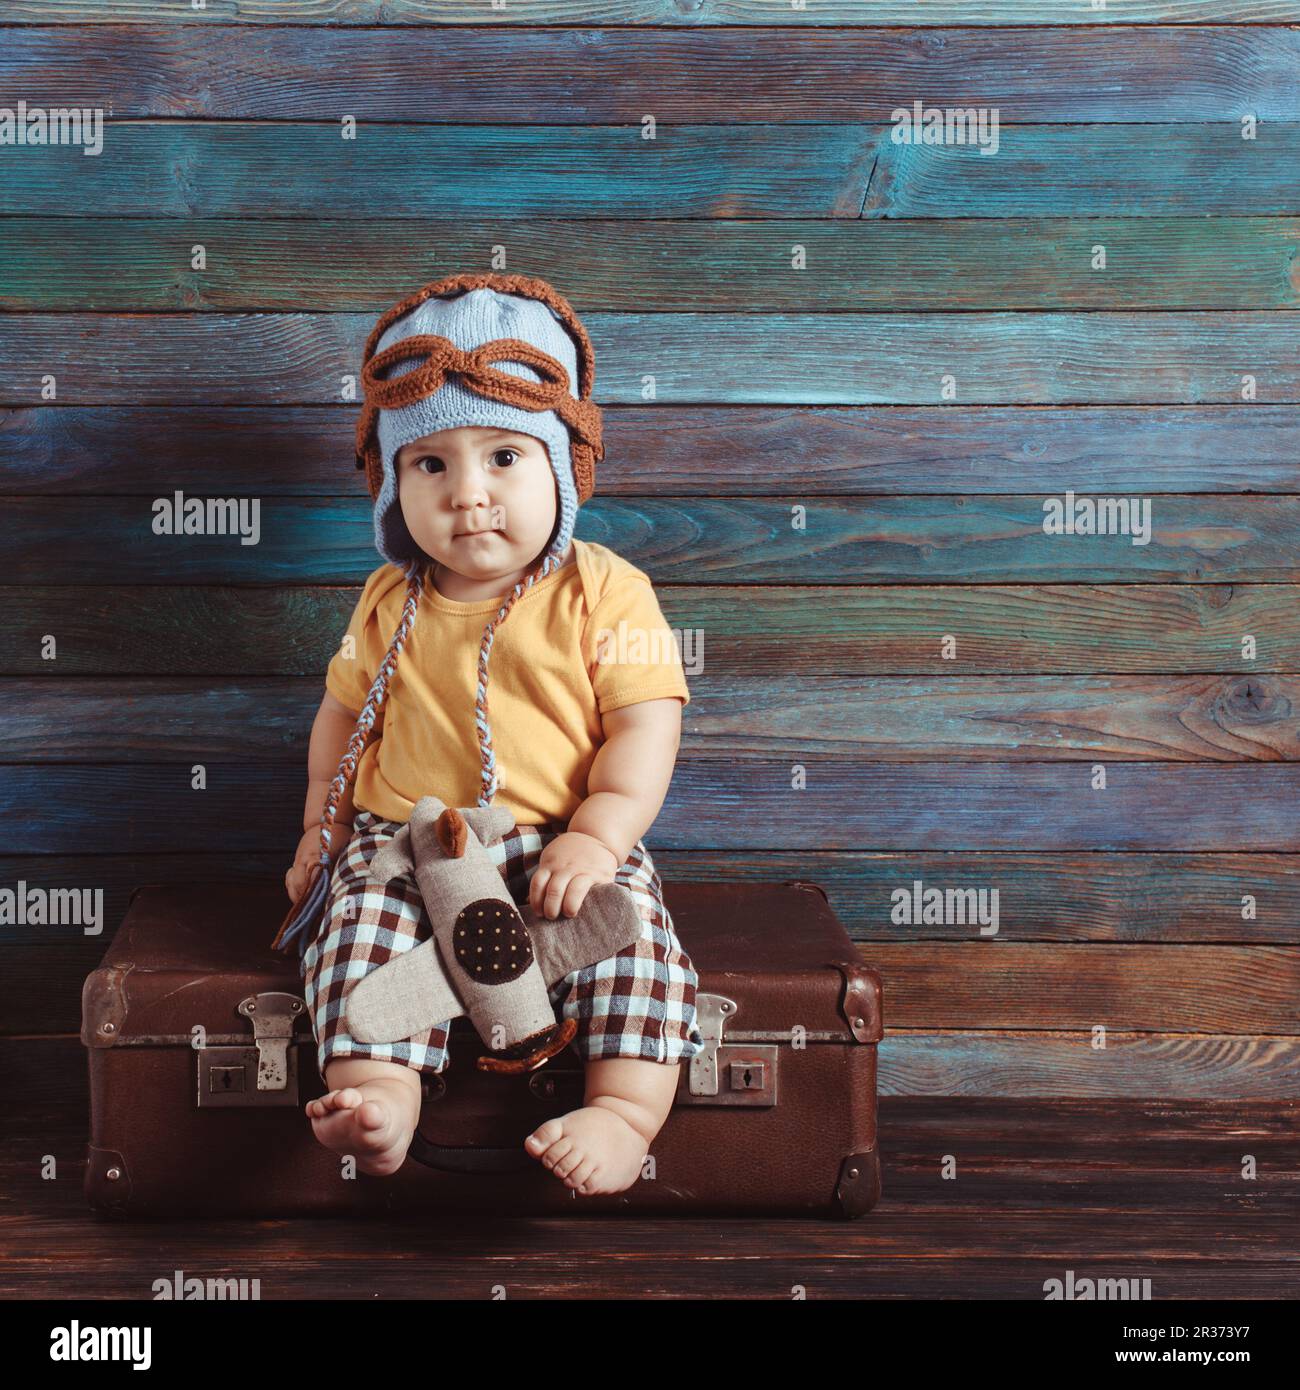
333, 727
626, 787
630, 774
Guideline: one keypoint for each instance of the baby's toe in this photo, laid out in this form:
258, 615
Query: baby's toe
582, 1174
557, 1156
322, 1105
568, 1161
372, 1115
543, 1137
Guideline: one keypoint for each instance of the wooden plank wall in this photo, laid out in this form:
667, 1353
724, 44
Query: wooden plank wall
908, 348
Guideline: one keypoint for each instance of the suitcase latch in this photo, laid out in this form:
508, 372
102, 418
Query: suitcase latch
727, 1073
265, 1073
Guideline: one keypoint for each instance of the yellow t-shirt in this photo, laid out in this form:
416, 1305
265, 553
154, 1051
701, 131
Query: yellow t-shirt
588, 638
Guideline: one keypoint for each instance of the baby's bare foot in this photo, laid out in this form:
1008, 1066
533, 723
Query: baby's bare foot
373, 1121
593, 1149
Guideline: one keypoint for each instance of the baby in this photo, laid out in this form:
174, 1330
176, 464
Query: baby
478, 460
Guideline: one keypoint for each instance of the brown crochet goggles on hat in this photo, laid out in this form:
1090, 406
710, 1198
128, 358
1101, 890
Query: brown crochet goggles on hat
486, 349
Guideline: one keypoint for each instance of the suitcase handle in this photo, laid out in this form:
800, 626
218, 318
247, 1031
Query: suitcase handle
468, 1158
478, 1158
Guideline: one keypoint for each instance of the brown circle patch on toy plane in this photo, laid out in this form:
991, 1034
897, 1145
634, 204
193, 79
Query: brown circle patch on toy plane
491, 942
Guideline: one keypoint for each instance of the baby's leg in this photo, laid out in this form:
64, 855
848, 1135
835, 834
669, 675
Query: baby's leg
373, 1103
636, 1025
370, 1111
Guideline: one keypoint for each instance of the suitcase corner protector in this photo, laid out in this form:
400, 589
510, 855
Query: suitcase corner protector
103, 1005
861, 1000
858, 1187
108, 1181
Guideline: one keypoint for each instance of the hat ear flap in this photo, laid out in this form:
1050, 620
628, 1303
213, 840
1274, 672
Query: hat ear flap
583, 458
369, 458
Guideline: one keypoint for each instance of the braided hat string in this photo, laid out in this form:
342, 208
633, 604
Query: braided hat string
300, 927
487, 756
347, 769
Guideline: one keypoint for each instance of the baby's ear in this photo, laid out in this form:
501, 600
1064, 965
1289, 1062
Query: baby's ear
489, 823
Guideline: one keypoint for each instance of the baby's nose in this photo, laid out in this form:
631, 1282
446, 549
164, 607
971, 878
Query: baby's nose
469, 495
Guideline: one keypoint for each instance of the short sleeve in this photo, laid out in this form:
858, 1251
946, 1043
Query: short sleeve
630, 651
349, 677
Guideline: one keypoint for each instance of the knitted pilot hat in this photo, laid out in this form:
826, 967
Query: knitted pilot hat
467, 321
429, 365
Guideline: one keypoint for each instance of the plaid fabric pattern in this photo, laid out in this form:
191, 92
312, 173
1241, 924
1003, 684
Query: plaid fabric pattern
638, 1003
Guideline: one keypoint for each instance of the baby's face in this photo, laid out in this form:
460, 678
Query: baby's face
480, 501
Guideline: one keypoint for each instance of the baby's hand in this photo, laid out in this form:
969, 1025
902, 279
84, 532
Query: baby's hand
569, 866
308, 856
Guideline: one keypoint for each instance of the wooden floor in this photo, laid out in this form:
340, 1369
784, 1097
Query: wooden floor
1123, 1189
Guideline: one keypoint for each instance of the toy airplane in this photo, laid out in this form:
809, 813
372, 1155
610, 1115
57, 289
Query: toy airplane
486, 958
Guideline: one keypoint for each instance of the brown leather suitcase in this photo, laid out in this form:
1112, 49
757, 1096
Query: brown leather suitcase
201, 1060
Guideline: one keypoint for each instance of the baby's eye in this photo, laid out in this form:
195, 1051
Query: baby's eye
427, 458
510, 454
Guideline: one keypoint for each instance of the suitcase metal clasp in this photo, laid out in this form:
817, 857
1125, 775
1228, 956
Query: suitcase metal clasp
271, 1063
727, 1073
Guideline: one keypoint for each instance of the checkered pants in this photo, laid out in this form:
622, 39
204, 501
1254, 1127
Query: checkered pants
637, 1003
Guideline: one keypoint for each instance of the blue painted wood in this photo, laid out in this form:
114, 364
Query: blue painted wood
307, 170
1081, 897
718, 804
1230, 718
687, 451
1096, 170
1137, 1065
717, 14
597, 75
735, 266
1203, 539
777, 632
693, 359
